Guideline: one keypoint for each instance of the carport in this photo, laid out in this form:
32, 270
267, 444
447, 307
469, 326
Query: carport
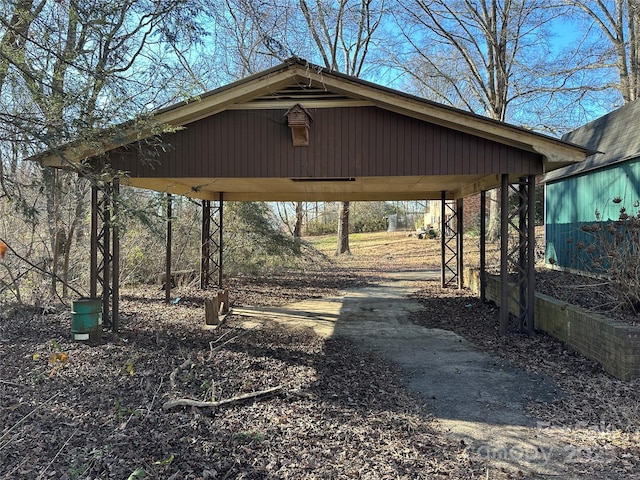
300, 132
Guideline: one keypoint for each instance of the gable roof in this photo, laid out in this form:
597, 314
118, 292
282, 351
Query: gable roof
317, 86
297, 81
613, 138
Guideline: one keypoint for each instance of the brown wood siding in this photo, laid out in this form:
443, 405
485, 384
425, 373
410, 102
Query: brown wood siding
343, 142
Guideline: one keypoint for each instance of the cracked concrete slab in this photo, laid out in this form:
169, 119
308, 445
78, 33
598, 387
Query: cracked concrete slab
477, 399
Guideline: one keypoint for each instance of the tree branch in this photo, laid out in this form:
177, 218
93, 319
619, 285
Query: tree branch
40, 269
186, 402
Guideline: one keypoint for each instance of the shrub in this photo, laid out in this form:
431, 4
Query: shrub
321, 228
615, 253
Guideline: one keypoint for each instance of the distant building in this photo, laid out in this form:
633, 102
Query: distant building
594, 190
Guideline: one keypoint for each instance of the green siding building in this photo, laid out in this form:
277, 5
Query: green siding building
594, 190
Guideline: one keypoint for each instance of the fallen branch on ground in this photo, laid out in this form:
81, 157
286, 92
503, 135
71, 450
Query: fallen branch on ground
183, 365
186, 402
22, 420
219, 347
57, 454
5, 382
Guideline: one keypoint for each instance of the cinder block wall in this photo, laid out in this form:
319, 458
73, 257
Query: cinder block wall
613, 344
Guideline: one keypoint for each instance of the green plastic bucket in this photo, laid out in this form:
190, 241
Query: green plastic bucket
86, 318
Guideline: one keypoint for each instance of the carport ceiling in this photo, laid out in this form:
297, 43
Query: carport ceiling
320, 189
364, 142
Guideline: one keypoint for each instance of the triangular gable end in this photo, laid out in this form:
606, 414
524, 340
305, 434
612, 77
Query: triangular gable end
297, 81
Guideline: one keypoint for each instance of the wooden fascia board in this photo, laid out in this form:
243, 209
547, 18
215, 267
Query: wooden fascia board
486, 183
72, 156
285, 104
225, 99
560, 155
169, 185
553, 150
332, 196
176, 117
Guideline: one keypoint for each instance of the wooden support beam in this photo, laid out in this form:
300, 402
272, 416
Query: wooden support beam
211, 314
223, 301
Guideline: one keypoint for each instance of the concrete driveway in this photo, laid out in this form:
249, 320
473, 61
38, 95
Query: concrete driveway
476, 398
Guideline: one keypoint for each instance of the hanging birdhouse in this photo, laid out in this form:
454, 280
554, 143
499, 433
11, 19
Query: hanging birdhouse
299, 120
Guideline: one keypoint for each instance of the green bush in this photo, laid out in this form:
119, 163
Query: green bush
321, 228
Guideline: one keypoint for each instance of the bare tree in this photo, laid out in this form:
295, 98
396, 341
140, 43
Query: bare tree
619, 22
291, 216
490, 57
66, 70
297, 229
252, 35
257, 33
343, 33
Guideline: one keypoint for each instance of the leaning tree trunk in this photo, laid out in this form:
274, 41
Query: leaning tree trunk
343, 230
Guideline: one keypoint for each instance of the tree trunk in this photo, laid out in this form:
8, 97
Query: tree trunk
51, 190
343, 230
81, 188
493, 228
297, 229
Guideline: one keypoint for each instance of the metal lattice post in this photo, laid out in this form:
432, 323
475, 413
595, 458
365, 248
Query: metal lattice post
460, 246
449, 241
519, 255
105, 251
205, 276
115, 259
211, 261
443, 227
531, 254
220, 230
522, 252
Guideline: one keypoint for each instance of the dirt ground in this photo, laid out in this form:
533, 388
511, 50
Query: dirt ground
317, 408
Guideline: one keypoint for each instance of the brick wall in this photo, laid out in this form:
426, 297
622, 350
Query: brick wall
471, 212
615, 345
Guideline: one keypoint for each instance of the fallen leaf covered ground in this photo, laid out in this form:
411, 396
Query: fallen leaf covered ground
595, 415
71, 410
99, 413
